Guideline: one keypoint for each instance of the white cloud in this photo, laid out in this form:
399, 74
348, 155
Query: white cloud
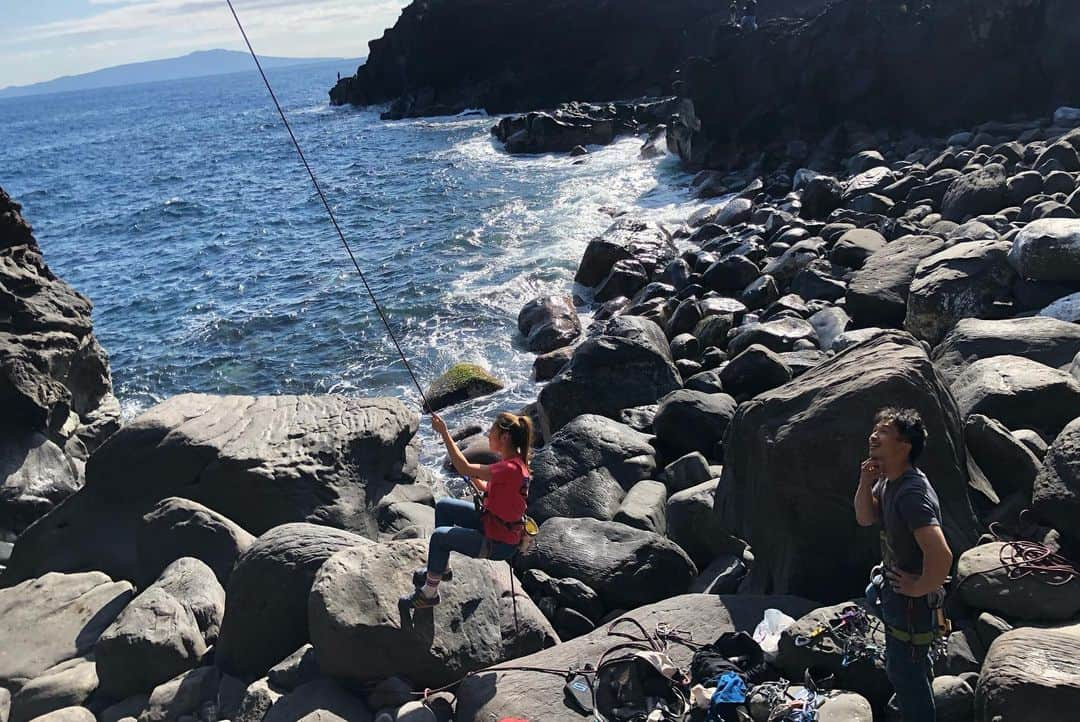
131, 30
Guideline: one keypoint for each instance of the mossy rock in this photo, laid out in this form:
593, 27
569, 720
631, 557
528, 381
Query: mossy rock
461, 382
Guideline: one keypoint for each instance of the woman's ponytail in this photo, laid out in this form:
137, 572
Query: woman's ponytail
520, 429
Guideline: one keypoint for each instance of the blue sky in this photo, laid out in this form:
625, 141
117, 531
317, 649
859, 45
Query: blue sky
44, 39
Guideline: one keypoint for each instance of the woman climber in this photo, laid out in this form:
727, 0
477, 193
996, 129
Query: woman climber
492, 530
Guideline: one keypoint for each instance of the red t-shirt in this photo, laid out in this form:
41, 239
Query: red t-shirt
506, 499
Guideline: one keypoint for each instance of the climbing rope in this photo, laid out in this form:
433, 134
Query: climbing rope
1022, 558
326, 204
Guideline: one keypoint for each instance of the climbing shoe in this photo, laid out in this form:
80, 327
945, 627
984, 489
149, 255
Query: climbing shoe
419, 577
417, 600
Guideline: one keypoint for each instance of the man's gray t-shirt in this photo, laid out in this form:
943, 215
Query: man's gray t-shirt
907, 503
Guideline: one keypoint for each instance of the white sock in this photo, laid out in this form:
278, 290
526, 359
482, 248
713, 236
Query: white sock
431, 588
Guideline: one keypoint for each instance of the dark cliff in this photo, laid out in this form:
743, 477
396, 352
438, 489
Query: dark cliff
928, 65
443, 56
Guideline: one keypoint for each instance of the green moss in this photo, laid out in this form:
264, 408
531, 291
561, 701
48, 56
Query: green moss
461, 382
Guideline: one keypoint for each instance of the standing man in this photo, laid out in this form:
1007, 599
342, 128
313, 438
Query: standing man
917, 559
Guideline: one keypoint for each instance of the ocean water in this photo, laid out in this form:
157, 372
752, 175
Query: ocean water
182, 211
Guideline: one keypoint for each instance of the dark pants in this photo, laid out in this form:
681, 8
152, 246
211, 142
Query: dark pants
908, 666
458, 528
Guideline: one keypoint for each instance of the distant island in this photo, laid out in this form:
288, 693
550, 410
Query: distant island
193, 65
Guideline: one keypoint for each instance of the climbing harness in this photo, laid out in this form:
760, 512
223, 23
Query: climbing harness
329, 211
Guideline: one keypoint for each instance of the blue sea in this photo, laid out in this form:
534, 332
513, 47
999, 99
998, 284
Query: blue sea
181, 210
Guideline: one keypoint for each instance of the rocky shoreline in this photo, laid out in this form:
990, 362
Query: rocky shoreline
241, 558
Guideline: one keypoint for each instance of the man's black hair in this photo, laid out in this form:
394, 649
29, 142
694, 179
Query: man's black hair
909, 425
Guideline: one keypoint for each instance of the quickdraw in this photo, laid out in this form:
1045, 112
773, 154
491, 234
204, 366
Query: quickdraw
853, 633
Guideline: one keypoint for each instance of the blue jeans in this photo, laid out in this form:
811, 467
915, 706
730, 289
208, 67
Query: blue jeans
458, 528
909, 667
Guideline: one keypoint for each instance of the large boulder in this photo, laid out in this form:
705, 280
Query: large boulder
165, 630
688, 421
1048, 250
548, 323
67, 714
988, 581
54, 376
780, 335
499, 693
587, 468
177, 528
268, 590
355, 607
1057, 487
755, 370
35, 476
1066, 308
645, 507
259, 461
855, 246
785, 493
53, 619
1046, 340
68, 684
183, 695
626, 239
627, 567
692, 524
1009, 465
968, 280
1020, 393
461, 382
1027, 673
629, 364
322, 700
977, 193
878, 292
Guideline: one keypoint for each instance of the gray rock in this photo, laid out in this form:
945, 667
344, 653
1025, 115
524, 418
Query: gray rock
625, 239
401, 515
182, 695
1018, 392
129, 708
627, 567
323, 700
178, 528
755, 370
68, 684
829, 323
968, 280
840, 706
821, 196
780, 335
258, 698
784, 460
989, 627
1008, 464
547, 366
722, 576
689, 421
790, 262
5, 704
878, 292
463, 634
53, 619
499, 694
391, 692
569, 593
694, 527
298, 668
1045, 340
1048, 250
35, 476
163, 632
1056, 498
235, 455
985, 585
977, 193
549, 323
629, 364
644, 507
269, 589
687, 471
1033, 441
587, 467
1066, 309
1029, 672
67, 714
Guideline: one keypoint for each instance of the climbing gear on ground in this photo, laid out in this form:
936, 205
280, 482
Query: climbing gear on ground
1022, 558
579, 690
732, 651
852, 632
